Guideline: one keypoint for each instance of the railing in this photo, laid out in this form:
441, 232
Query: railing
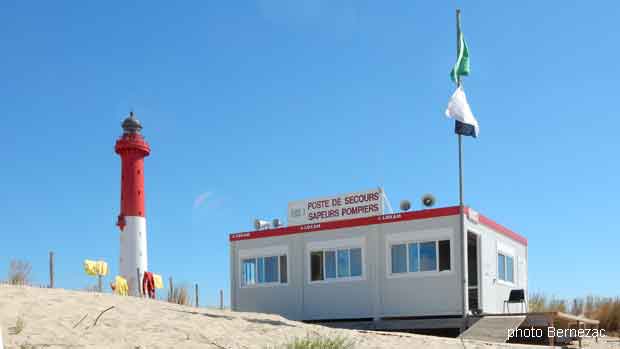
21, 284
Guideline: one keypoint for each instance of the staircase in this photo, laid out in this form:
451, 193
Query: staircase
493, 328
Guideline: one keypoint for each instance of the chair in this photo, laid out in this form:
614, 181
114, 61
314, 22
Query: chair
515, 296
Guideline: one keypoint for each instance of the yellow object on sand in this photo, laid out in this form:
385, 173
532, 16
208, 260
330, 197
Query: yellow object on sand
157, 280
94, 268
102, 268
90, 267
121, 286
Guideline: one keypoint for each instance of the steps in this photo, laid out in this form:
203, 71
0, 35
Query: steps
493, 328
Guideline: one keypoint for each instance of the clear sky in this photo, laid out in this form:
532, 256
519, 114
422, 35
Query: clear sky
248, 105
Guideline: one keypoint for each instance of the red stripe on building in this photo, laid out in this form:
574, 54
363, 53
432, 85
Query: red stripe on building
501, 229
358, 222
346, 223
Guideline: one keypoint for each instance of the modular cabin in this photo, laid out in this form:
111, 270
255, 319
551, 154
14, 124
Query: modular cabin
401, 270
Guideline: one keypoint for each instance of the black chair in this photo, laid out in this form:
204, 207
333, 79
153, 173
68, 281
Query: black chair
515, 296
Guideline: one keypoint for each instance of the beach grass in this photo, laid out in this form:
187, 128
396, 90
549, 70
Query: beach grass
317, 342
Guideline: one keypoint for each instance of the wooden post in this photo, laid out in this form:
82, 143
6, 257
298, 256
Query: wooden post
99, 283
51, 269
551, 324
578, 328
170, 299
597, 332
221, 299
139, 283
196, 295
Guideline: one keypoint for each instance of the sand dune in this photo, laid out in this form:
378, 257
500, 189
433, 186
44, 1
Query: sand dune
56, 318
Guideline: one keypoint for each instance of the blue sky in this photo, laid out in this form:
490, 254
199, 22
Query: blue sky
252, 104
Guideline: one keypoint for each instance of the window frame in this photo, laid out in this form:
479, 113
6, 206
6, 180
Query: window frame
417, 243
276, 251
335, 246
506, 251
506, 255
419, 237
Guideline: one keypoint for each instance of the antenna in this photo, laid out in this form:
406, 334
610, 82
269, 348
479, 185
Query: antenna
387, 201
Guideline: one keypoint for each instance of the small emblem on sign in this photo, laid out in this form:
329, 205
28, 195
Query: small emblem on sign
296, 212
473, 215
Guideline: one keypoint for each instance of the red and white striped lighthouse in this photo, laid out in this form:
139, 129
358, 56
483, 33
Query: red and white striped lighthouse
132, 149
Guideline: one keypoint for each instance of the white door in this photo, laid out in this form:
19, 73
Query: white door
489, 275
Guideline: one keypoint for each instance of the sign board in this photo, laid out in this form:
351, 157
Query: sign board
332, 208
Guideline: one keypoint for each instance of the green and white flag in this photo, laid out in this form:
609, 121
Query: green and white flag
461, 68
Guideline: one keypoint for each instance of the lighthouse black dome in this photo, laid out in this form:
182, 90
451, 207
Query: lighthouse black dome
131, 124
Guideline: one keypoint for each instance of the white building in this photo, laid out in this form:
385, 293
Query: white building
390, 271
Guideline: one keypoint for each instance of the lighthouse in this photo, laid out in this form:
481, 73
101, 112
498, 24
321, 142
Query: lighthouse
132, 148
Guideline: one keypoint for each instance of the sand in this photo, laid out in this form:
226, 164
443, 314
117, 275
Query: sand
56, 318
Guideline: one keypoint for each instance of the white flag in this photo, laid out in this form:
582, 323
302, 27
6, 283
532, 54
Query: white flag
458, 109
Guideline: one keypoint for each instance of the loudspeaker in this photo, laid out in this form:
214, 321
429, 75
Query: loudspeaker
405, 205
260, 224
428, 200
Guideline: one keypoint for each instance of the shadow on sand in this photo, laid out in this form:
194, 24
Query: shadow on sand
268, 322
215, 316
256, 321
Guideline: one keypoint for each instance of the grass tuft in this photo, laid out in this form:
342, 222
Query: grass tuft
604, 309
317, 342
18, 328
179, 295
19, 272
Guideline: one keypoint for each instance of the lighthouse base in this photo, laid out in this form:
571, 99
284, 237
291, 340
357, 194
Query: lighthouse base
133, 257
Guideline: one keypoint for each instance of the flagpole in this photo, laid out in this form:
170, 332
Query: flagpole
461, 204
458, 84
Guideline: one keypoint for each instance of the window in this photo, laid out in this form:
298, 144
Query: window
420, 256
260, 270
330, 264
509, 269
271, 269
444, 255
283, 271
356, 262
249, 271
336, 264
505, 267
399, 258
264, 270
428, 256
316, 266
344, 267
414, 259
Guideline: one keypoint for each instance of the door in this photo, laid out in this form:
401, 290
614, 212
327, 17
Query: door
473, 272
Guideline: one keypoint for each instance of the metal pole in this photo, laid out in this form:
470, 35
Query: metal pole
458, 84
461, 200
221, 299
138, 285
461, 171
99, 283
171, 295
51, 269
196, 294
